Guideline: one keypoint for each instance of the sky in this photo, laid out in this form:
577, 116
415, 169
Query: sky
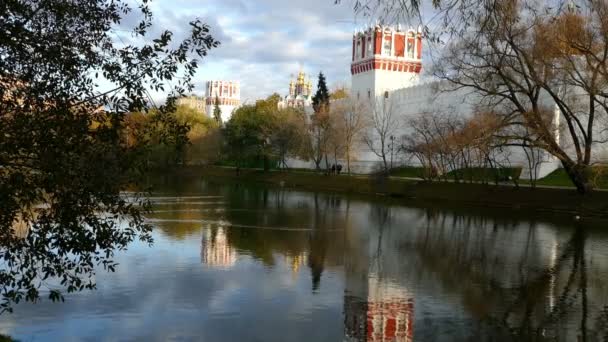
264, 42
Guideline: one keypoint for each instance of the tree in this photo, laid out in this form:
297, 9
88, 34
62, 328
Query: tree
288, 135
320, 102
335, 140
217, 111
248, 132
202, 137
319, 132
543, 69
320, 122
163, 140
352, 122
383, 124
339, 93
63, 159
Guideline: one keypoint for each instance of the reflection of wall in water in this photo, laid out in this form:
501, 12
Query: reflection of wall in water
215, 249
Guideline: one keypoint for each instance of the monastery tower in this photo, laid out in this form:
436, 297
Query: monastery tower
228, 93
385, 59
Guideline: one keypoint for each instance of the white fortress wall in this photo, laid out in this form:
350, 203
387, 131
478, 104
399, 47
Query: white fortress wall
409, 103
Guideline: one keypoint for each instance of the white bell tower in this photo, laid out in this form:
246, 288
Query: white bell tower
385, 59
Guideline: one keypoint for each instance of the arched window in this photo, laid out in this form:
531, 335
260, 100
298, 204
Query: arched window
386, 94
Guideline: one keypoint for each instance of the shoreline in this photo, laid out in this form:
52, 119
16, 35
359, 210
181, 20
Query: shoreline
556, 200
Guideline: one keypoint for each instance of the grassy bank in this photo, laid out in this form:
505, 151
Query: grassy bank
560, 178
546, 199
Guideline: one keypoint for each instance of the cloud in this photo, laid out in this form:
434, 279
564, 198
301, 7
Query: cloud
263, 42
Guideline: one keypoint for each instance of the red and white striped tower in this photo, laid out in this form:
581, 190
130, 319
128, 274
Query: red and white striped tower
385, 59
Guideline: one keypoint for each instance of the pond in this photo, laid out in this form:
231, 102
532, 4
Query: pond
235, 262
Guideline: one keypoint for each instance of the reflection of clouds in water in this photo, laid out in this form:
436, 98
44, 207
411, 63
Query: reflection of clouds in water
220, 302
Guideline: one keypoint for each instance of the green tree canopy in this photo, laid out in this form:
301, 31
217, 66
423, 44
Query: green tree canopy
320, 102
166, 140
63, 159
263, 131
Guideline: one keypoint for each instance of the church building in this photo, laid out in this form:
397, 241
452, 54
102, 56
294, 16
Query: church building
300, 93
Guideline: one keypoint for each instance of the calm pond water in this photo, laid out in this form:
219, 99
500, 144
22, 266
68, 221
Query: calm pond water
245, 263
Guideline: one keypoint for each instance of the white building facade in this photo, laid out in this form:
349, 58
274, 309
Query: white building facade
227, 94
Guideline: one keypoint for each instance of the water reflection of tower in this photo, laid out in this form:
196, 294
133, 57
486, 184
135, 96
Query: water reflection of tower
377, 306
390, 313
215, 249
386, 314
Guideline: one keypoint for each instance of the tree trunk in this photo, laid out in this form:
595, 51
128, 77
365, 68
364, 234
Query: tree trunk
348, 160
580, 175
336, 157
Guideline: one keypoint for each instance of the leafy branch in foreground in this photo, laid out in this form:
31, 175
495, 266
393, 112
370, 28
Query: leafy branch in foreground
65, 87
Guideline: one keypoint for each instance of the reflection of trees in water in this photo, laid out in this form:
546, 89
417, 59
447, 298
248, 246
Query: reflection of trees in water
317, 244
566, 316
183, 220
317, 218
509, 279
325, 216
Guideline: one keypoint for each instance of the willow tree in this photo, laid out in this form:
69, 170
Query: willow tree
65, 86
543, 70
